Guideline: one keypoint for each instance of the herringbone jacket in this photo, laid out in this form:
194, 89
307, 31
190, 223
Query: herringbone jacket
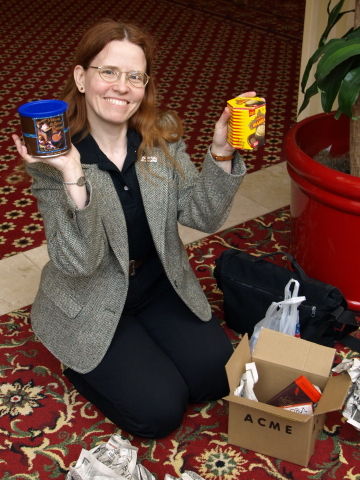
84, 285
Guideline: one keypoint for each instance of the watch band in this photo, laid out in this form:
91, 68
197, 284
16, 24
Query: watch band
222, 158
80, 182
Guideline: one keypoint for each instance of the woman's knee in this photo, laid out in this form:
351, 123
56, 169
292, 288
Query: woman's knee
207, 379
152, 420
150, 416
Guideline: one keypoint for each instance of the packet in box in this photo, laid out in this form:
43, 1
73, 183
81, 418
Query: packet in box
269, 429
300, 396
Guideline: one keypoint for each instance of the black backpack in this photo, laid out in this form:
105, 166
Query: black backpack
250, 284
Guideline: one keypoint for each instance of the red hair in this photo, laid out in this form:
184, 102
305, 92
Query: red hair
155, 127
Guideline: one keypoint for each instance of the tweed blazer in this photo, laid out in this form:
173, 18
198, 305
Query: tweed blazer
84, 285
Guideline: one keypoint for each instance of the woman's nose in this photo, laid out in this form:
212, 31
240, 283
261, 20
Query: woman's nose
121, 82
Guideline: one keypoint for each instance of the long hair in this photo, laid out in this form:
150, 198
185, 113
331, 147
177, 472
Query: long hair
156, 128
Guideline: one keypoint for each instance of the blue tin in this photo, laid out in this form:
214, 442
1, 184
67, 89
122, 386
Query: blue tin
45, 127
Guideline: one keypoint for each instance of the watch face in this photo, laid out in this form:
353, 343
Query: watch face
81, 181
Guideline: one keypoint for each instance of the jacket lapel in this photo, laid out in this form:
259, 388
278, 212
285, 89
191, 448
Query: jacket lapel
112, 214
153, 179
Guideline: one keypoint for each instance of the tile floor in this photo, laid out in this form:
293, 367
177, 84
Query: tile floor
261, 192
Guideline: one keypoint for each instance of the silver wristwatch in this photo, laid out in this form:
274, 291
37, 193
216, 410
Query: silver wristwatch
80, 182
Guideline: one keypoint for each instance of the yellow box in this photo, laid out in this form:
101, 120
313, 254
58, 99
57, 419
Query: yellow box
246, 127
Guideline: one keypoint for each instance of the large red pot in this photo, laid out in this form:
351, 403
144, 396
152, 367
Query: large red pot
325, 206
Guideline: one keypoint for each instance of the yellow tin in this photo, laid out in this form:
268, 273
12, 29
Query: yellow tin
246, 127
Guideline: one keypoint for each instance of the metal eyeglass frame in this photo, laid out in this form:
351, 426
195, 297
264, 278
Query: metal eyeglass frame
118, 74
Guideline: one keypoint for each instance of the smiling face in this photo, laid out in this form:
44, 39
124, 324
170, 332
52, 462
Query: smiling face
112, 103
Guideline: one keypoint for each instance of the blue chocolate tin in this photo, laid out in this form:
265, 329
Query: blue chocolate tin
45, 127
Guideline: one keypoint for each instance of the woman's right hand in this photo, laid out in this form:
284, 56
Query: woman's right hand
69, 164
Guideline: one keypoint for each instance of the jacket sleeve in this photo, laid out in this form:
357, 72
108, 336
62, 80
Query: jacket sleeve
75, 238
204, 199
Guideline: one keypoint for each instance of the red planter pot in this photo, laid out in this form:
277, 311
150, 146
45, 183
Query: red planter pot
325, 206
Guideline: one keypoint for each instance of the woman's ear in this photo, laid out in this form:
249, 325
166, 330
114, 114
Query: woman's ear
79, 76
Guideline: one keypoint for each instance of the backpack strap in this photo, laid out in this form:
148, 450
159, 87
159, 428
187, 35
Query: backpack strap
351, 342
347, 317
291, 259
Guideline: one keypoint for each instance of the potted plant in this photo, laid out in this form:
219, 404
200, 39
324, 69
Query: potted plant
325, 202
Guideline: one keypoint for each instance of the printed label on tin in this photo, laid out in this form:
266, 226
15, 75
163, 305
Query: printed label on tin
50, 134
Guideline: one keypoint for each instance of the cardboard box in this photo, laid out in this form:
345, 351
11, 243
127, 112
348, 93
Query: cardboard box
272, 430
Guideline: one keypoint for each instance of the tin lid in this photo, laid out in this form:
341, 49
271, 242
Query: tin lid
43, 108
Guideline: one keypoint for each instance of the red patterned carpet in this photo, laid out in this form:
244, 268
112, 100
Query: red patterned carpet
44, 422
208, 52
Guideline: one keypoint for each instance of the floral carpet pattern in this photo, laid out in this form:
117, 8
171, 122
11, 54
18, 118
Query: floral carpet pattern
44, 422
207, 52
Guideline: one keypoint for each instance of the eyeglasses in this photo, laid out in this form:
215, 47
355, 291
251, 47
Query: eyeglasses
112, 74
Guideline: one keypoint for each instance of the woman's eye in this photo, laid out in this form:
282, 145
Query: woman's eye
135, 76
109, 72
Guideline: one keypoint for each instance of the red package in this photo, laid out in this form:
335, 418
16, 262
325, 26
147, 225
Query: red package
300, 396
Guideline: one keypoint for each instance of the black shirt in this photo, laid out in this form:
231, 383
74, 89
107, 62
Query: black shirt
140, 240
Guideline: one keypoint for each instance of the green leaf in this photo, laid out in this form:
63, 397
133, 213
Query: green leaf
338, 73
338, 53
334, 16
312, 60
310, 92
352, 33
334, 59
349, 91
331, 46
331, 84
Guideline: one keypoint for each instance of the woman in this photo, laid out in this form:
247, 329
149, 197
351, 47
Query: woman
118, 303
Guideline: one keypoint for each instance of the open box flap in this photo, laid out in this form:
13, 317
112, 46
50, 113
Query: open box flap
334, 394
235, 365
294, 353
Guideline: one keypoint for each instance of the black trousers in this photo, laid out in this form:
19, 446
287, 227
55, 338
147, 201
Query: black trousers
161, 358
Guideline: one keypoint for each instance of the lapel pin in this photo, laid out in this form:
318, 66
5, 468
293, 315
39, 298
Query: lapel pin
148, 159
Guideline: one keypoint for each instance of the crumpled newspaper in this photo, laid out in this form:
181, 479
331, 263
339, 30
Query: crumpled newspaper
352, 403
247, 382
116, 459
187, 475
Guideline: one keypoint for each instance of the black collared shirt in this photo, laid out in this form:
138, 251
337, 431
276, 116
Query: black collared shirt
140, 240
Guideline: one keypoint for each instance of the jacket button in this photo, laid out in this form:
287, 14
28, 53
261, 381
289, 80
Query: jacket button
71, 214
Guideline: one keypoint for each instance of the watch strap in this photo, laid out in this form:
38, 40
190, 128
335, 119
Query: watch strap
79, 182
222, 158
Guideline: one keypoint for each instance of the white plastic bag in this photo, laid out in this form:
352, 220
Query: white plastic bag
281, 316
